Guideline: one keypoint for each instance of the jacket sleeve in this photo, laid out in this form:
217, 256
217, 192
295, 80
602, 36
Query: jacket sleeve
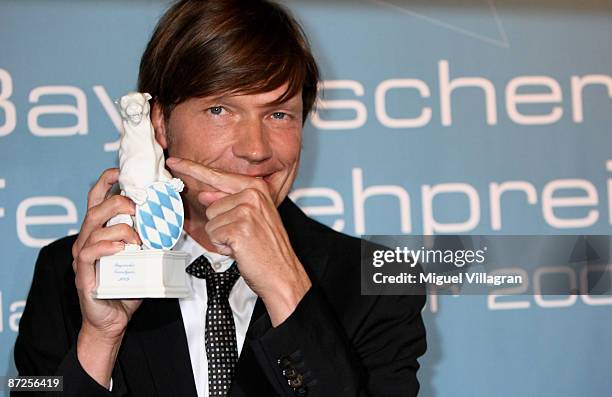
309, 354
46, 342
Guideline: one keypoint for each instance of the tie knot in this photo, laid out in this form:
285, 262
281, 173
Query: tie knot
218, 284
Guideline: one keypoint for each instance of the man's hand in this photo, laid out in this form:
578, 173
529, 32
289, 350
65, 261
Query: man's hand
243, 222
104, 321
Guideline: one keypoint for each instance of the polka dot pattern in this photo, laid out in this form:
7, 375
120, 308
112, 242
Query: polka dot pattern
220, 334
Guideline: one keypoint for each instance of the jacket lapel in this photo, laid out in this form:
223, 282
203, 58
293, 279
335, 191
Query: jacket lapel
311, 251
309, 247
158, 324
160, 330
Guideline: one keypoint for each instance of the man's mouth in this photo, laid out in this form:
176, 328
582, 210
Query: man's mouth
265, 177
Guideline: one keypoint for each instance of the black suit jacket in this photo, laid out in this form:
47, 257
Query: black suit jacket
340, 342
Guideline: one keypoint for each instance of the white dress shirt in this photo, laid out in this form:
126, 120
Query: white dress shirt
193, 309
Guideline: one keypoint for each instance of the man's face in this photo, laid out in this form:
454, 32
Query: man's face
240, 134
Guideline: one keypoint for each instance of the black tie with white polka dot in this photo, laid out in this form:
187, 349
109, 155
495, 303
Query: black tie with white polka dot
220, 334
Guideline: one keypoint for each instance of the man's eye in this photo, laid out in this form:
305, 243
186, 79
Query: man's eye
216, 110
280, 115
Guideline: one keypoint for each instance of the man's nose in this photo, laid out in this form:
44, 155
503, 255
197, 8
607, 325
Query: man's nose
252, 144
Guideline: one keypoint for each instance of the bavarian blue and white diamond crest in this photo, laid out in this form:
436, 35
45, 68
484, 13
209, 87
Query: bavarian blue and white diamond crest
159, 221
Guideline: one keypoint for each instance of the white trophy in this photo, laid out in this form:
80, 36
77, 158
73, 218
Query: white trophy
153, 270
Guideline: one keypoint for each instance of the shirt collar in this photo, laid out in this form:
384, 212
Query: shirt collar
187, 244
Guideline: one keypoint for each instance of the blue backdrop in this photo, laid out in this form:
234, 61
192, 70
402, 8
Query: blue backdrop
476, 117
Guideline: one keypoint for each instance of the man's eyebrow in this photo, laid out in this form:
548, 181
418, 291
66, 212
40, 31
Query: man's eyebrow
279, 105
292, 102
211, 99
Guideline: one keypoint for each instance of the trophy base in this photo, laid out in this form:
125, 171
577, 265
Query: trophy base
142, 274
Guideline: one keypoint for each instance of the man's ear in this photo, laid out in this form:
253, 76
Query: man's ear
159, 125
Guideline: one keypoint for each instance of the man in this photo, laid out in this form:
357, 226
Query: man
232, 84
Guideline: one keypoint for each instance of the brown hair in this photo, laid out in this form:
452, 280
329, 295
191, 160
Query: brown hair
213, 47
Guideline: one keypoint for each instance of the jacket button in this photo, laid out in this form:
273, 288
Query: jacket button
297, 382
290, 373
284, 362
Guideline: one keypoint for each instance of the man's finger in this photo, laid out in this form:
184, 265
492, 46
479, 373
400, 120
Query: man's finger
207, 198
118, 232
98, 215
250, 197
224, 181
98, 192
85, 261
